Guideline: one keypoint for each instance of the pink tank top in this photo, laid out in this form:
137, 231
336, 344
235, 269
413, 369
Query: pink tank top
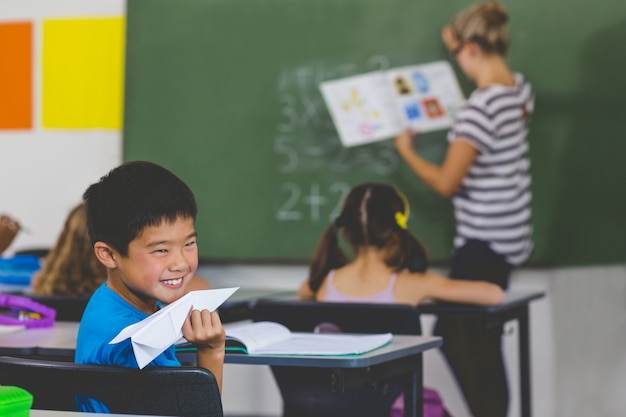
383, 297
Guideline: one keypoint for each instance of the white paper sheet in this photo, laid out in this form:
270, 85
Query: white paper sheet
153, 335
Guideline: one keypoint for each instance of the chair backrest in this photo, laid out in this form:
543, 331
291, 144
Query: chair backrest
68, 308
171, 391
306, 391
40, 252
305, 316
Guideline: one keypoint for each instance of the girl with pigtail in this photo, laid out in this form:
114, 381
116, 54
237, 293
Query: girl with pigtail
389, 264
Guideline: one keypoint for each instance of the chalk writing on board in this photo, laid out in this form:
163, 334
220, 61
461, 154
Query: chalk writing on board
305, 139
311, 203
305, 142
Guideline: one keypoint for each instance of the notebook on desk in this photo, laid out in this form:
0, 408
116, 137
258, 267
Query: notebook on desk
271, 338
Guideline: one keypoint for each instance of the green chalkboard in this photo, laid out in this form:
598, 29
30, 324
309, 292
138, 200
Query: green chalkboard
225, 93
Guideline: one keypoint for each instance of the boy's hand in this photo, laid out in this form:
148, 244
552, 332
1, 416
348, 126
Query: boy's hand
204, 329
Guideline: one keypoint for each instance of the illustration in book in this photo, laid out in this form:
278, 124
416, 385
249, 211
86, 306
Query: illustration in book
379, 105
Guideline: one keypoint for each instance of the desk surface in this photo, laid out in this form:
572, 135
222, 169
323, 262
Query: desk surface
401, 346
512, 300
239, 305
249, 295
60, 341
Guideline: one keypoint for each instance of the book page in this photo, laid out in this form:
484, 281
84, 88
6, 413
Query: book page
270, 338
379, 105
326, 344
362, 108
427, 96
254, 336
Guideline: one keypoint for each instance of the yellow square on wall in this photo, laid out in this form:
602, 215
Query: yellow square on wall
83, 73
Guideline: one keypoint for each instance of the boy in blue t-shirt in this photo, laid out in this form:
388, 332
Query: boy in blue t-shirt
140, 218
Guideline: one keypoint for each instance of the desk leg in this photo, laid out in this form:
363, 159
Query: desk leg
524, 361
413, 398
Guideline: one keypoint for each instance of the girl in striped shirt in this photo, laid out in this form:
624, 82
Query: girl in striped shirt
486, 173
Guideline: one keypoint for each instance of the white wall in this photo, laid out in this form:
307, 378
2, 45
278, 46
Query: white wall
578, 344
45, 171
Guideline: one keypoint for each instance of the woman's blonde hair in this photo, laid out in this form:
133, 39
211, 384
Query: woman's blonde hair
71, 267
486, 24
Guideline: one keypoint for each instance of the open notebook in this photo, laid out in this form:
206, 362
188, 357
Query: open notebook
270, 338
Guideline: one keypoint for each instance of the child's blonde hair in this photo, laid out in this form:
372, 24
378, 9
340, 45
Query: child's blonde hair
71, 267
486, 24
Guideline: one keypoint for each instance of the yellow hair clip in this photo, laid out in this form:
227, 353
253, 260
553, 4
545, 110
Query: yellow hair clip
403, 218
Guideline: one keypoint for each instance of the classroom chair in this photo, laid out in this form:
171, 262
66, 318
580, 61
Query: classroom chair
306, 391
40, 252
171, 391
68, 308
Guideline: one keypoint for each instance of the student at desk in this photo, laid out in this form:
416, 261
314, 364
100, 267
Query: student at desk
140, 220
389, 264
71, 268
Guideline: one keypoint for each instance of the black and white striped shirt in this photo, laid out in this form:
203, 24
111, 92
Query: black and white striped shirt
493, 201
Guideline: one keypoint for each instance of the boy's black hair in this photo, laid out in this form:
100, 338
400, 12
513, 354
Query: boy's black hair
131, 197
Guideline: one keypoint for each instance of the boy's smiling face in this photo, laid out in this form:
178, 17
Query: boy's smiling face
160, 263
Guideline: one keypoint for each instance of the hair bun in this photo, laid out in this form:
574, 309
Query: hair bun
496, 14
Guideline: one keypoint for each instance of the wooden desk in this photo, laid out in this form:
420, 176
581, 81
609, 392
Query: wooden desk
401, 358
514, 307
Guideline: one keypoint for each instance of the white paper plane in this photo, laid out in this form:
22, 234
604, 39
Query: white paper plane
154, 334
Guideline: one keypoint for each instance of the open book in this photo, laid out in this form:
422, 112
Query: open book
379, 105
270, 338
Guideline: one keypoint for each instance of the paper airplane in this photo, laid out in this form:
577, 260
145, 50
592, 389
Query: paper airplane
153, 335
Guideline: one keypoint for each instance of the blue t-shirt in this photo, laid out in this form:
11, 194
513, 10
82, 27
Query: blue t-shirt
105, 316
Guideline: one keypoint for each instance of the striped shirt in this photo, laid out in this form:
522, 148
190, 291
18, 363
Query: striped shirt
493, 203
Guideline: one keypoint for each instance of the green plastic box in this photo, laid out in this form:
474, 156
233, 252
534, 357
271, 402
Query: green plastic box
15, 401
